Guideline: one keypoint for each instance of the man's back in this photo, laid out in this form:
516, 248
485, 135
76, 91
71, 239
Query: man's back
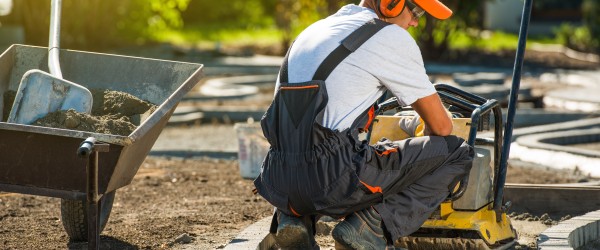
388, 60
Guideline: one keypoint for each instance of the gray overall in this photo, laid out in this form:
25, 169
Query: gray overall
313, 170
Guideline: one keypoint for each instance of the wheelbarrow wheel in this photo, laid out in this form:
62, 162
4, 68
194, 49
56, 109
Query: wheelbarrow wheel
74, 216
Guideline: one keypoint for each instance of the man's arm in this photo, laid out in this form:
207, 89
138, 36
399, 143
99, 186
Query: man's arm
432, 111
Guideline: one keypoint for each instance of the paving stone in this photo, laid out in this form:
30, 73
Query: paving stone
575, 232
466, 79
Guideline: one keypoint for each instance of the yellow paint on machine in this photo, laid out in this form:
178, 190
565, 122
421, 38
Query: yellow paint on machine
482, 221
494, 234
387, 126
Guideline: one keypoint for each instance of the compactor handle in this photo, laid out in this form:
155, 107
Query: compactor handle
388, 104
478, 107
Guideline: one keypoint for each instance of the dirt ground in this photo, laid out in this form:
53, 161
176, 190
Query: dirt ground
171, 204
204, 199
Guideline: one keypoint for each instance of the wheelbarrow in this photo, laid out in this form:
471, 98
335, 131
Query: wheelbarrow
46, 161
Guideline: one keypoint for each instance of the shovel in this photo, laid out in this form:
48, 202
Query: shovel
40, 93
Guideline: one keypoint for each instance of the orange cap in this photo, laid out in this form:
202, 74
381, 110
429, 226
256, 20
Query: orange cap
435, 8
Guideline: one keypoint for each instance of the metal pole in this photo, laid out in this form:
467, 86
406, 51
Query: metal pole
92, 201
514, 91
87, 150
90, 149
54, 40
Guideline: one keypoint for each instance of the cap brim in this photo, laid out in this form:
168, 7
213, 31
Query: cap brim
434, 8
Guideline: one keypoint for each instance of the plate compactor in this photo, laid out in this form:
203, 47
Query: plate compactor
467, 219
474, 215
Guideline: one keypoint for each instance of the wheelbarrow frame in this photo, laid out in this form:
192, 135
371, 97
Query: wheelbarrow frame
44, 161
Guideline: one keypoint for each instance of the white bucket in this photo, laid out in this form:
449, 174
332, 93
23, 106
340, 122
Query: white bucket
252, 148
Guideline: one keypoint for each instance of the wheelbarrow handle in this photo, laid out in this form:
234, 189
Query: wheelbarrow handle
86, 147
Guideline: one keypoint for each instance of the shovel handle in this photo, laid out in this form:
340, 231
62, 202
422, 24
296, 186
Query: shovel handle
54, 39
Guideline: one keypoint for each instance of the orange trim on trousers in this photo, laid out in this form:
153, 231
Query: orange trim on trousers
300, 87
373, 189
293, 211
387, 152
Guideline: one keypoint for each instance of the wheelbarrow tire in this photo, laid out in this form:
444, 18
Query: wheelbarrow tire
74, 216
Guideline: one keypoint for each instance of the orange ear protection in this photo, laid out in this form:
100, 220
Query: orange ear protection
391, 8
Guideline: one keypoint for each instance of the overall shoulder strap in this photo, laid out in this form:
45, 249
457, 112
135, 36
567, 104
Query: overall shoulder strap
350, 44
283, 71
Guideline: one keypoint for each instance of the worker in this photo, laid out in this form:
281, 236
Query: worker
326, 96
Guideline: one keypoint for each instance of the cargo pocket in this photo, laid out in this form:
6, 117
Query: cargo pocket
276, 198
338, 191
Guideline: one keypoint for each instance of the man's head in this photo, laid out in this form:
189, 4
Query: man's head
394, 8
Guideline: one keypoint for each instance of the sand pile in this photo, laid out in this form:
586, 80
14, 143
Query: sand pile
113, 112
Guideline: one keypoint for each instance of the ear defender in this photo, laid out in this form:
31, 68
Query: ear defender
391, 8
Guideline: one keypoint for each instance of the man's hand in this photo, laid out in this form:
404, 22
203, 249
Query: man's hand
436, 117
413, 126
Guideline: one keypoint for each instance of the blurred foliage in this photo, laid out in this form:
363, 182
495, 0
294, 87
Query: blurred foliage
583, 38
289, 16
556, 4
591, 20
578, 38
434, 36
97, 24
236, 13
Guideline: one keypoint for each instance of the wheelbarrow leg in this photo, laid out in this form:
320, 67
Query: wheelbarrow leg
90, 149
92, 201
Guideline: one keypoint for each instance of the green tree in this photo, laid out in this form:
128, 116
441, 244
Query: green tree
434, 36
582, 38
293, 16
591, 19
97, 24
240, 13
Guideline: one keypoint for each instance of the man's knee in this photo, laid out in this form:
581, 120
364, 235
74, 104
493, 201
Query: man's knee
459, 150
453, 142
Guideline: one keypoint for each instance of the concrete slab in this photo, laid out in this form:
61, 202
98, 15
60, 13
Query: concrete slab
194, 141
556, 159
479, 78
580, 99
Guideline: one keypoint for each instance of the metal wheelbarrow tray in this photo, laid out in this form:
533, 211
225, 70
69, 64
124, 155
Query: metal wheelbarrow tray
43, 161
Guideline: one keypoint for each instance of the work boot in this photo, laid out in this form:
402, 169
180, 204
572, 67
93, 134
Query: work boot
360, 230
295, 232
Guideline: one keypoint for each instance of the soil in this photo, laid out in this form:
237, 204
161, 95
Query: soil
113, 112
172, 203
205, 199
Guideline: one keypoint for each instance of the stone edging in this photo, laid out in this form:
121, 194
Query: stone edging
572, 233
559, 141
256, 236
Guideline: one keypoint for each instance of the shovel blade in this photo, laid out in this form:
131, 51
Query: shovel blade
40, 93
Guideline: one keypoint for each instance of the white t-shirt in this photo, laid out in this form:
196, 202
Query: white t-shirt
389, 60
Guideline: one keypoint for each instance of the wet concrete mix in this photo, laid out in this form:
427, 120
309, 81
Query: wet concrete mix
113, 112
